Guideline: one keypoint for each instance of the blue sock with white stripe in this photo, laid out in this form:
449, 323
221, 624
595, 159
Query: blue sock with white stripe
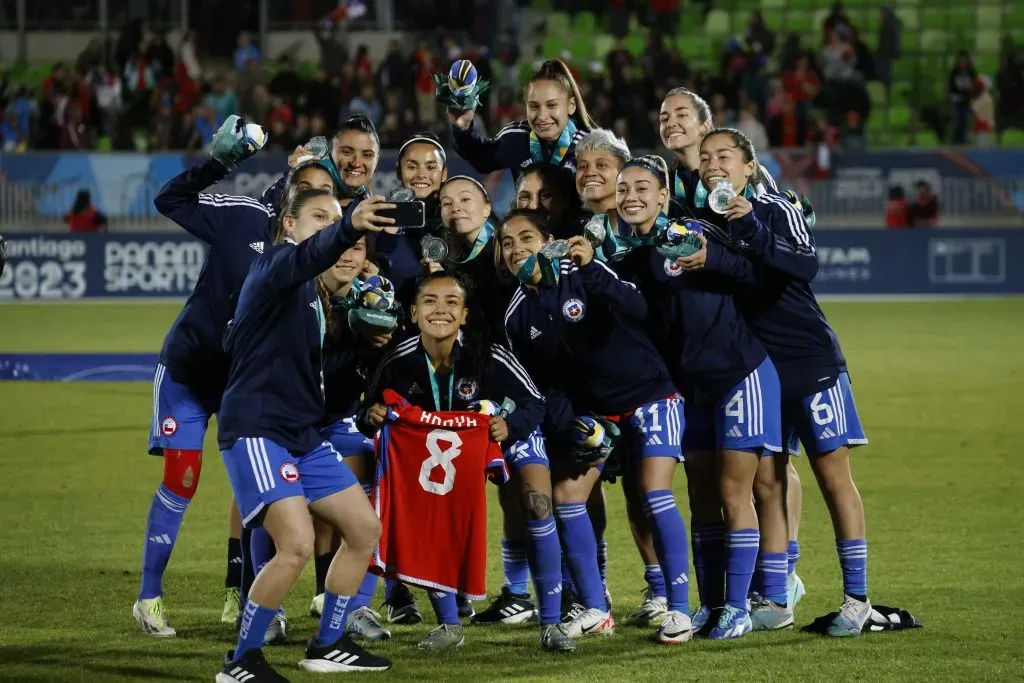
741, 557
670, 545
389, 587
772, 568
655, 580
577, 535
602, 559
333, 618
261, 549
545, 555
567, 583
256, 620
517, 568
709, 563
853, 559
792, 555
365, 593
446, 607
165, 515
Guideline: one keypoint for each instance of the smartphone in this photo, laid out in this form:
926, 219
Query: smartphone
406, 214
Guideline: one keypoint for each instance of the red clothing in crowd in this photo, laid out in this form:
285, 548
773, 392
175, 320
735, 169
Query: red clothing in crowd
897, 213
801, 87
86, 220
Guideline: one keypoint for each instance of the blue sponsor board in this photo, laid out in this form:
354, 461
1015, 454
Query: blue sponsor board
78, 367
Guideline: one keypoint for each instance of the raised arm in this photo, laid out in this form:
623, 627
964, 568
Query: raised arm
486, 155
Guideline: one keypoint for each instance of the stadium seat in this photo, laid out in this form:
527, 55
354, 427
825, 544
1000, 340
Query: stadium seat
717, 23
933, 40
585, 23
1014, 17
876, 91
558, 24
962, 19
990, 17
582, 47
926, 138
934, 19
908, 3
603, 44
899, 117
552, 46
987, 64
775, 4
986, 41
635, 44
910, 19
1013, 138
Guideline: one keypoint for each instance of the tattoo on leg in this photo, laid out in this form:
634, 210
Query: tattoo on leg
536, 503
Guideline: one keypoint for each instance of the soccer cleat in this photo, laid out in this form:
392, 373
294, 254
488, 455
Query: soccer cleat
732, 623
555, 638
401, 608
608, 597
768, 615
651, 611
151, 615
851, 618
466, 610
443, 636
365, 623
571, 606
703, 619
508, 608
795, 589
251, 667
675, 628
593, 622
341, 656
277, 632
232, 605
316, 608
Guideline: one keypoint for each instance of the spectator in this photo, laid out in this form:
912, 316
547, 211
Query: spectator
10, 139
84, 217
188, 57
317, 125
802, 86
181, 131
837, 19
203, 128
821, 140
897, 210
393, 72
221, 100
962, 82
890, 37
924, 212
257, 105
246, 52
73, 133
279, 111
301, 130
280, 139
322, 96
757, 86
423, 77
508, 55
364, 67
750, 124
286, 83
852, 136
983, 108
618, 63
783, 129
863, 62
58, 74
721, 114
507, 111
26, 110
366, 103
160, 56
1010, 85
760, 40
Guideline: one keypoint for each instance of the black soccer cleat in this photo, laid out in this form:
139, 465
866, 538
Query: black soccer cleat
465, 605
401, 608
342, 656
508, 608
571, 606
252, 667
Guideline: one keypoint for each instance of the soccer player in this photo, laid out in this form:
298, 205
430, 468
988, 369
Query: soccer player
279, 465
347, 358
732, 416
685, 118
460, 373
192, 371
544, 187
556, 118
579, 329
817, 400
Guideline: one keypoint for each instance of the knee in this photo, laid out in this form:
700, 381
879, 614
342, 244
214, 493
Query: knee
297, 547
363, 537
181, 471
537, 504
767, 488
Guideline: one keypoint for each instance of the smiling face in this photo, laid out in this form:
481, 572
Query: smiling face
314, 178
596, 171
721, 159
639, 197
348, 267
532, 194
355, 153
463, 207
548, 108
422, 169
520, 239
440, 309
680, 126
315, 215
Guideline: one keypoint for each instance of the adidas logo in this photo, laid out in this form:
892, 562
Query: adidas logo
680, 580
257, 247
340, 657
511, 610
235, 560
655, 440
734, 432
415, 389
240, 674
534, 332
312, 304
827, 434
162, 539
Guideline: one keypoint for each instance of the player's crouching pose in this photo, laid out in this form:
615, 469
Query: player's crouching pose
438, 371
275, 458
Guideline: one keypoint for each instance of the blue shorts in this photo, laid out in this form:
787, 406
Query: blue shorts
262, 472
747, 418
346, 438
655, 429
529, 451
825, 421
180, 415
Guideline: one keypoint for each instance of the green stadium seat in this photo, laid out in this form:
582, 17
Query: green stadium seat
800, 22
908, 3
962, 18
926, 138
775, 4
552, 46
104, 144
582, 48
990, 17
933, 40
585, 23
805, 4
775, 19
635, 44
695, 47
603, 44
986, 42
876, 91
899, 117
717, 23
910, 44
910, 19
541, 5
934, 19
1014, 17
1013, 138
818, 18
904, 69
987, 64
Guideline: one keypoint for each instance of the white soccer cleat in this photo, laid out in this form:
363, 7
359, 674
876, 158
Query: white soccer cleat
151, 616
593, 622
277, 632
675, 628
651, 612
555, 638
316, 608
767, 615
795, 589
443, 637
365, 623
851, 618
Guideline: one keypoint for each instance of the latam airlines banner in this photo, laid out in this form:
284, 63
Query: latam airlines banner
853, 263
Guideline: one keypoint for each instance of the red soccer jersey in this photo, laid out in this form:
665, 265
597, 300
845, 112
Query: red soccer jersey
431, 499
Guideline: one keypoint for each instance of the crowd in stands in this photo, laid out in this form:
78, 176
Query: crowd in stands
144, 94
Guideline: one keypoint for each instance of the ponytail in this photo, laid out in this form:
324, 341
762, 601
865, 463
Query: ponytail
558, 71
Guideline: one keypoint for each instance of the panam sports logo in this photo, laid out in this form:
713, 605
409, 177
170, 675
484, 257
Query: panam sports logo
152, 267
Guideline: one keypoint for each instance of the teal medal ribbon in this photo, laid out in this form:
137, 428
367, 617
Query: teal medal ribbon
680, 187
434, 387
548, 270
321, 320
485, 236
618, 245
561, 146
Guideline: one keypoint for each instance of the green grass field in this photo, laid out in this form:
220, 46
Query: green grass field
938, 388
